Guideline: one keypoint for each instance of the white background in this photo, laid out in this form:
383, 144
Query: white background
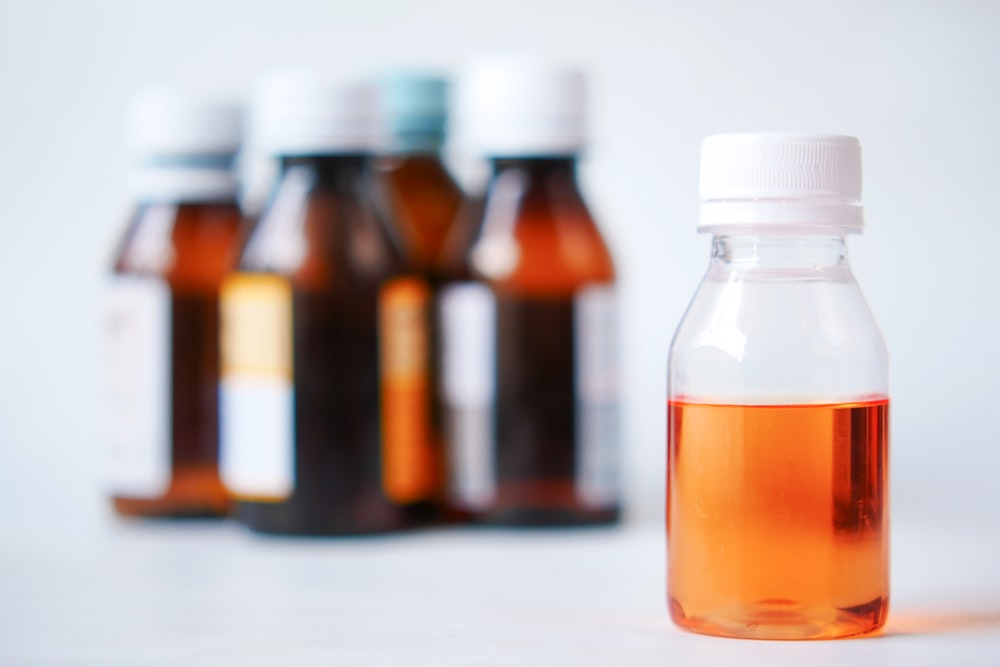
918, 82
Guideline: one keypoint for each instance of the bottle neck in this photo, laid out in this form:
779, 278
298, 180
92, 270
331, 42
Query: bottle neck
780, 253
187, 179
418, 160
325, 168
545, 167
325, 162
414, 145
536, 181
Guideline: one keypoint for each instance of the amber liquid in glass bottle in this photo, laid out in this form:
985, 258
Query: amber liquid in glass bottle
326, 325
528, 325
164, 319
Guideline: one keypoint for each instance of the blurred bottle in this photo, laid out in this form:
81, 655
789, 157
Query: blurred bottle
422, 195
324, 381
528, 317
161, 323
777, 497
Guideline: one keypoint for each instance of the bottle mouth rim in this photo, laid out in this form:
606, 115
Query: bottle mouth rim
174, 182
822, 215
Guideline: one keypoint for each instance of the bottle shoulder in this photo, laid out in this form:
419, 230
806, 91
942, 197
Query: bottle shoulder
190, 245
321, 233
422, 202
536, 235
774, 337
412, 172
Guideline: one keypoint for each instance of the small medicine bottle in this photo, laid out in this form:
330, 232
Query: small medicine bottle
421, 193
325, 426
777, 498
527, 313
161, 325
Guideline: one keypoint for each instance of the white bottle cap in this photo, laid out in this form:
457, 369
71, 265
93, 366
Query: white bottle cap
300, 112
164, 121
182, 144
781, 181
521, 107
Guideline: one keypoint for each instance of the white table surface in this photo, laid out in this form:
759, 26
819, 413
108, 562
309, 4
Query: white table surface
209, 593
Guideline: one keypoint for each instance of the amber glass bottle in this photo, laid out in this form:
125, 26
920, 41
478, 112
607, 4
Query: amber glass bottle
161, 320
422, 195
527, 317
324, 380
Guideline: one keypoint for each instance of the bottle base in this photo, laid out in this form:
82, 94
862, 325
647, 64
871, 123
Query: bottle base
785, 620
310, 520
194, 492
538, 502
550, 517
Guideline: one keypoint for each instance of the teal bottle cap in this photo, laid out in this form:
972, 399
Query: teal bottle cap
414, 109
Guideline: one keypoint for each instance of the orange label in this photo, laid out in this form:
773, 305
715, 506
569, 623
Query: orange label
256, 338
409, 465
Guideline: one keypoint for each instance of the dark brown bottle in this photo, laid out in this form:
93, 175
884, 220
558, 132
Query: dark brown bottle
325, 395
161, 356
528, 321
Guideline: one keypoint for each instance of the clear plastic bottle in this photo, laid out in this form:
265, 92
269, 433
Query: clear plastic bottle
325, 391
777, 501
161, 323
528, 321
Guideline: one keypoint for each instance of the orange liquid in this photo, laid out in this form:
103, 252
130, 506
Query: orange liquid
777, 519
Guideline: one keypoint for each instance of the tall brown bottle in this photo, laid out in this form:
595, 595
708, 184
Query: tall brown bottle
422, 198
324, 381
528, 318
160, 425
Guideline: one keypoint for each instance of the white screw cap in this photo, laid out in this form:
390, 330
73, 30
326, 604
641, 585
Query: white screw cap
164, 121
300, 112
772, 180
516, 106
182, 144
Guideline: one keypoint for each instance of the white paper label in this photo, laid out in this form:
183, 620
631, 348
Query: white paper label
256, 453
468, 386
136, 429
597, 395
256, 435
